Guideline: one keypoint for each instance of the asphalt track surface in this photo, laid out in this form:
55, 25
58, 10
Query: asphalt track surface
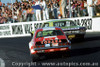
15, 50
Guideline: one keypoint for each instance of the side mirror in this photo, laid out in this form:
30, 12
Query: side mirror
69, 41
32, 33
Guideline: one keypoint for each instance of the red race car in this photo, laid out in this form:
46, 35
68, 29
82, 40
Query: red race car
47, 40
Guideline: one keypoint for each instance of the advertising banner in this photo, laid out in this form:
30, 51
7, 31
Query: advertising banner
83, 21
18, 29
24, 28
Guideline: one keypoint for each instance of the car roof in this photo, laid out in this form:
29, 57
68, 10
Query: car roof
55, 20
48, 28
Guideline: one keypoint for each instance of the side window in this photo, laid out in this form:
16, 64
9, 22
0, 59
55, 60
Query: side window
59, 24
59, 32
72, 23
67, 23
46, 25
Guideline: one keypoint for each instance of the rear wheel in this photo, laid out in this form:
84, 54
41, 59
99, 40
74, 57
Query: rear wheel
35, 57
82, 37
66, 54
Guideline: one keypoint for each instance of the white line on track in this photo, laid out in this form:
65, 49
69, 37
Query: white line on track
2, 63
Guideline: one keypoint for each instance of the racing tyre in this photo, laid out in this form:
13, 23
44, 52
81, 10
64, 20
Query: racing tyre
82, 38
66, 54
35, 57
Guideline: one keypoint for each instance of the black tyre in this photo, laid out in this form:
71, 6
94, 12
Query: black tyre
66, 54
82, 38
35, 57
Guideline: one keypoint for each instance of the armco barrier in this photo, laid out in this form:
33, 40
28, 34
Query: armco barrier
23, 28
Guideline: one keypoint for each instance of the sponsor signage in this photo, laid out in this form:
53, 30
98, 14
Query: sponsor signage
5, 30
24, 28
18, 29
85, 21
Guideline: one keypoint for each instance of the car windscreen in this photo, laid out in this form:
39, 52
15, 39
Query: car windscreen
49, 33
63, 24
